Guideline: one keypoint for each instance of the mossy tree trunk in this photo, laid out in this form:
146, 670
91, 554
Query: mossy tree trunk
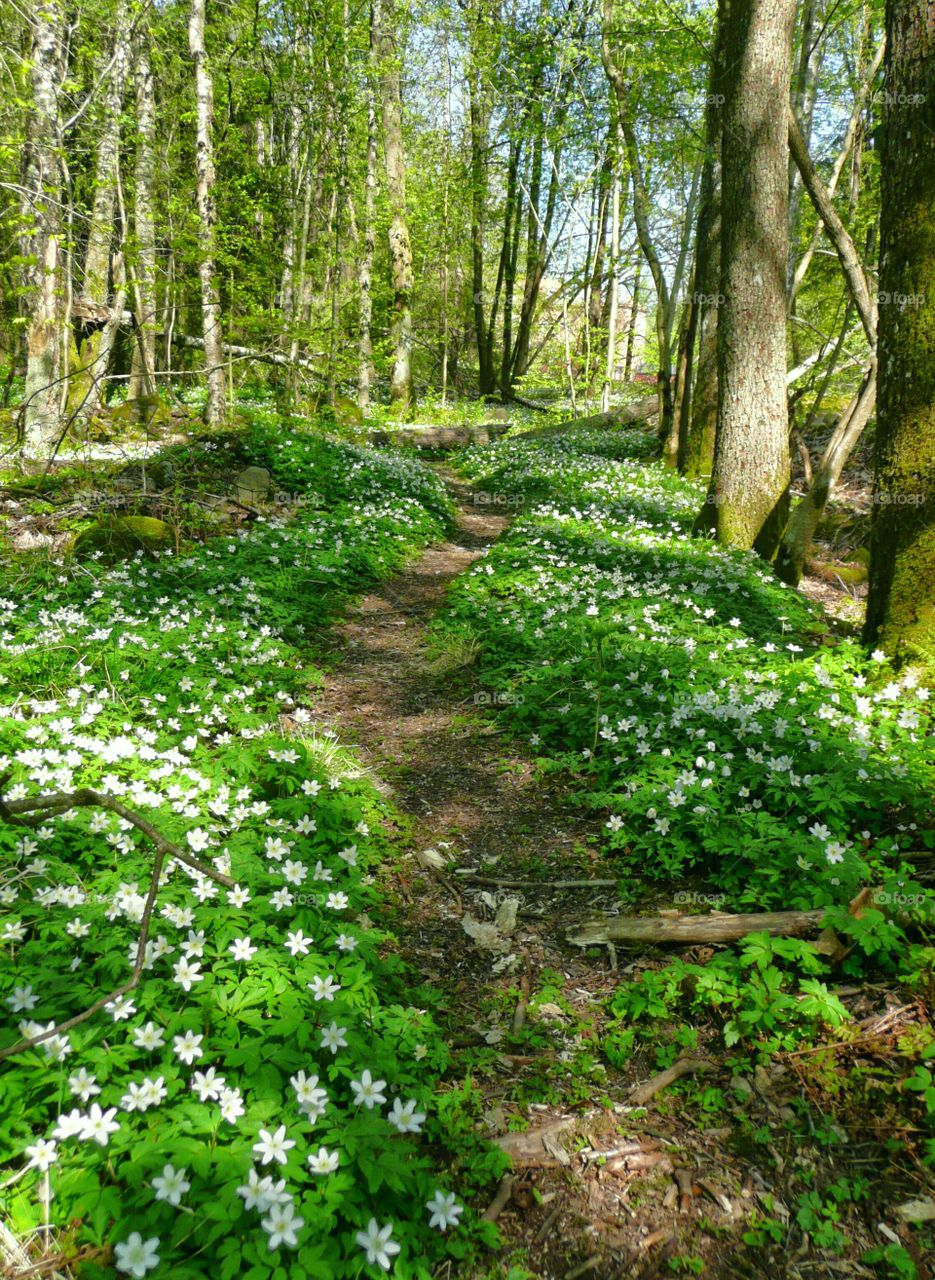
748, 499
901, 603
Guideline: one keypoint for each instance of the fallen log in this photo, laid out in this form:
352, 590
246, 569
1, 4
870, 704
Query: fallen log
250, 353
691, 929
638, 411
94, 315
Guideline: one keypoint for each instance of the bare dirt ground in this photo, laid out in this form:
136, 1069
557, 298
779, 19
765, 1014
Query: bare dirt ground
600, 1189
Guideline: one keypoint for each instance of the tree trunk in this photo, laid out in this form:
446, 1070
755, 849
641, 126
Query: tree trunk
479, 112
86, 386
901, 603
144, 354
365, 266
386, 52
641, 207
611, 361
44, 275
216, 407
698, 455
631, 327
748, 497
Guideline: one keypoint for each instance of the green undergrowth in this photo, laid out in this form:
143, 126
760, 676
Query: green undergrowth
735, 750
265, 1103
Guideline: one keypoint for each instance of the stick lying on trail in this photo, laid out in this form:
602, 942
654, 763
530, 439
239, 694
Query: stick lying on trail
705, 928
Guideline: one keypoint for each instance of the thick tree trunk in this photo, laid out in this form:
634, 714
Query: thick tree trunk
216, 408
44, 274
901, 603
748, 497
144, 267
387, 54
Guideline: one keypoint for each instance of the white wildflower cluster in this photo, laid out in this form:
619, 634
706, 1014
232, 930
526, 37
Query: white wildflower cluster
255, 1040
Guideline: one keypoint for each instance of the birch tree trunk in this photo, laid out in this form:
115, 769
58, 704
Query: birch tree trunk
901, 603
384, 44
86, 387
611, 360
143, 366
42, 241
748, 497
365, 266
216, 408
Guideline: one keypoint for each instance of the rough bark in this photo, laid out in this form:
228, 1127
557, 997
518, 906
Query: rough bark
386, 51
748, 498
42, 241
216, 408
901, 603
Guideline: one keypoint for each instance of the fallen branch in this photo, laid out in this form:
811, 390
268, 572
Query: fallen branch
702, 928
641, 1093
500, 1200
473, 877
84, 797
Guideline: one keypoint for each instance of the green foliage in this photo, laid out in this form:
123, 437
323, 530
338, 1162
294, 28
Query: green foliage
178, 683
687, 691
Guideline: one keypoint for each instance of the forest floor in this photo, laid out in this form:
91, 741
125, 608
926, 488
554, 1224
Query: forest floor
755, 1165
599, 1188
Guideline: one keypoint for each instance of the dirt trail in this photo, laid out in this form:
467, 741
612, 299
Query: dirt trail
416, 724
461, 788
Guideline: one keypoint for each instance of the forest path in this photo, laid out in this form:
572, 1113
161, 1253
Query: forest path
457, 787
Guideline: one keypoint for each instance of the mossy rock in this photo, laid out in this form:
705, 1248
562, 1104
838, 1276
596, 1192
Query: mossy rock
851, 575
860, 556
122, 537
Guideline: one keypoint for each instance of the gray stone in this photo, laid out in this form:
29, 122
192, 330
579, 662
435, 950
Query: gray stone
253, 485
